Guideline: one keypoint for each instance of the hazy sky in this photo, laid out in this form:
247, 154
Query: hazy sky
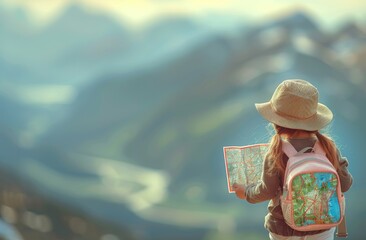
328, 13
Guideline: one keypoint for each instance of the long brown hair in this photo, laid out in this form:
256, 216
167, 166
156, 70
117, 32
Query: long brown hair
276, 154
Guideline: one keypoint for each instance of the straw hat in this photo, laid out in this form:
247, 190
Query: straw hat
295, 105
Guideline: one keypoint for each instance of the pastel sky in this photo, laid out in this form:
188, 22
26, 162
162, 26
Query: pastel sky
328, 13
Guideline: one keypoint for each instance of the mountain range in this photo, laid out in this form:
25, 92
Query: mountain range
158, 106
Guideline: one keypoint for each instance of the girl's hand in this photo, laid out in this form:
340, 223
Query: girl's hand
239, 190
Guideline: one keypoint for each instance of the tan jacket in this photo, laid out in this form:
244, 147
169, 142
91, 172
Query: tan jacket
269, 188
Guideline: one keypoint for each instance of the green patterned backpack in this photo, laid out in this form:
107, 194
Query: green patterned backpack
312, 198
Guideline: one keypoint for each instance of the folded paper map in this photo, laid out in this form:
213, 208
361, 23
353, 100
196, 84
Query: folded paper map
244, 164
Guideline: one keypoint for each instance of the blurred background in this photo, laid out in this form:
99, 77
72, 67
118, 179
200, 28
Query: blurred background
114, 113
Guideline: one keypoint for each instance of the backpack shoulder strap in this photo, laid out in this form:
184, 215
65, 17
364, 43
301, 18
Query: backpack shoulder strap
342, 228
318, 148
288, 149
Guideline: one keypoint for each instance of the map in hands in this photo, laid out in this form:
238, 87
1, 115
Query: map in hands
244, 164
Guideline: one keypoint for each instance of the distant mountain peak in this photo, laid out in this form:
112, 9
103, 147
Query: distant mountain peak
78, 23
299, 19
353, 29
75, 15
74, 8
299, 15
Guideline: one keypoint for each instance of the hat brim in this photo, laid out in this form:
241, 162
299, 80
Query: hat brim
318, 121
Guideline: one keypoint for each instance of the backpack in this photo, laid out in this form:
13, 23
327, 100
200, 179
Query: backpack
311, 198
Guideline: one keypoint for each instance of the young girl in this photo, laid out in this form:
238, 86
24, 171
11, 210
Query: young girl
297, 116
